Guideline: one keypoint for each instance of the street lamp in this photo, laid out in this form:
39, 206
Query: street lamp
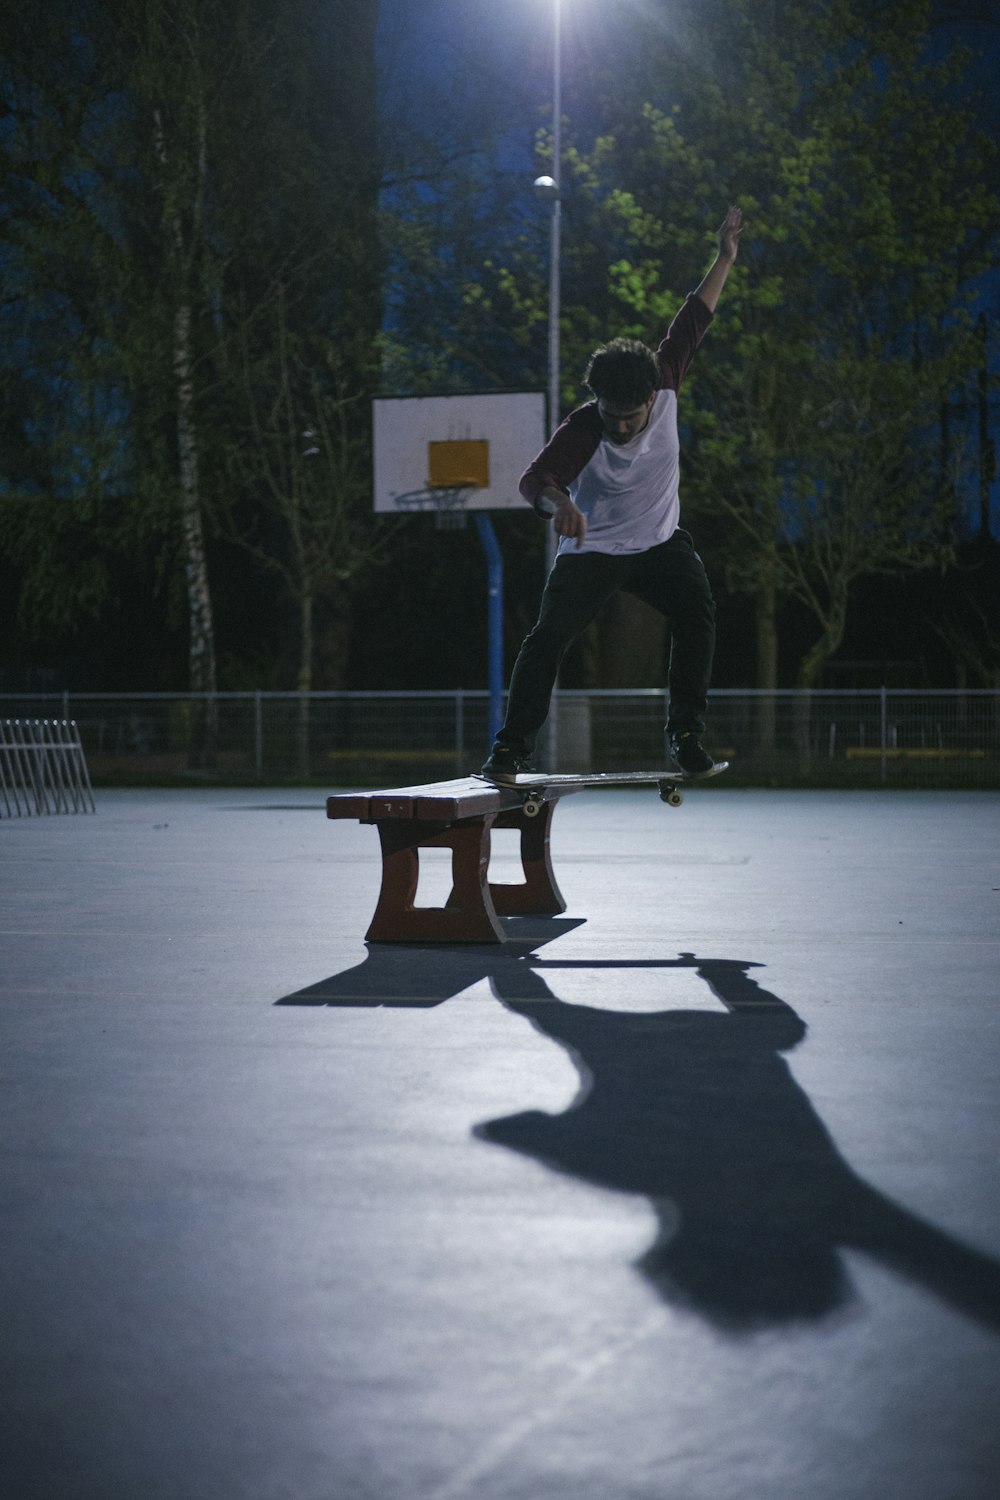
548, 190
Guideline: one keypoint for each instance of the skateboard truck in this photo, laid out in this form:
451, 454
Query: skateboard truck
533, 787
534, 801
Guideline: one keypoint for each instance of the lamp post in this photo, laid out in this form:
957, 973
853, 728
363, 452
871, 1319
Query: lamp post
549, 190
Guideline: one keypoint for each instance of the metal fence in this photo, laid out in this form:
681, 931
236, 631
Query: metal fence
880, 737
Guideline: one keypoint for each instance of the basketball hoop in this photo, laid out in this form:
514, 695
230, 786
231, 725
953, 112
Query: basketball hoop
449, 505
452, 455
447, 501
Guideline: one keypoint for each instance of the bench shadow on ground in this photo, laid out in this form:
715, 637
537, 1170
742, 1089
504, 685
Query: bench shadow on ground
698, 1111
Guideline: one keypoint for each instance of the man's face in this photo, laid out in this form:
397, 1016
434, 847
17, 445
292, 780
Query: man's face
622, 426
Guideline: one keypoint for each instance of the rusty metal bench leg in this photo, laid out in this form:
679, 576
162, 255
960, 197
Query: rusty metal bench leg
469, 915
539, 896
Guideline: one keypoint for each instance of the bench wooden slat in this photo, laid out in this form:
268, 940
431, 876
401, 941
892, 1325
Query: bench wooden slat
465, 797
348, 805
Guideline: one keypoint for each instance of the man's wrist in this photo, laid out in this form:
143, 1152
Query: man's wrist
550, 500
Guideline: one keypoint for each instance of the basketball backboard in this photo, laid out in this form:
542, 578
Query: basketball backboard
473, 447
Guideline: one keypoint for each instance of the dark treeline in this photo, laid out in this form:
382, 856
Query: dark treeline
224, 227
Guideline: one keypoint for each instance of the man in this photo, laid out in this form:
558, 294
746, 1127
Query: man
608, 478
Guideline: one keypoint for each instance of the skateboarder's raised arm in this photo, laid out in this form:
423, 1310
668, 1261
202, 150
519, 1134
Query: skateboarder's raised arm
728, 237
686, 332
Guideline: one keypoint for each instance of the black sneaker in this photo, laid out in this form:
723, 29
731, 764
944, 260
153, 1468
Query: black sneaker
505, 765
689, 753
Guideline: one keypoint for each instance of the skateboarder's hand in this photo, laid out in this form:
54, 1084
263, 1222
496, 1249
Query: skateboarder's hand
728, 235
568, 520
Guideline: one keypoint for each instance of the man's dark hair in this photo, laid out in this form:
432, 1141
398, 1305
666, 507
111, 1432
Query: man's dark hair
624, 373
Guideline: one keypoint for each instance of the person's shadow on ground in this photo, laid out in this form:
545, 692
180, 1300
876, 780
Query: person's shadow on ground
698, 1112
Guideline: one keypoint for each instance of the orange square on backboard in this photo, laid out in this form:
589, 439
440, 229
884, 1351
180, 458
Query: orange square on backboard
464, 462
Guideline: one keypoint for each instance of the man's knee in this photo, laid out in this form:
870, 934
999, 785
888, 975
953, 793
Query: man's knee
695, 590
548, 638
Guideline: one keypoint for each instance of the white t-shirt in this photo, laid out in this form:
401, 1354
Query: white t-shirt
630, 492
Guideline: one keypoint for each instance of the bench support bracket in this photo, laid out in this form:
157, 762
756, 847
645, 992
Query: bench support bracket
474, 907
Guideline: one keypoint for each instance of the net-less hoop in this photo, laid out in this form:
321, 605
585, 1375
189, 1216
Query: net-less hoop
447, 501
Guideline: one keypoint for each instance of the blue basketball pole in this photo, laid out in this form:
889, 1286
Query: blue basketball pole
494, 566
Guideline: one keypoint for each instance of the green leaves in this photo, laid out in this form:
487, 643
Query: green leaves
842, 330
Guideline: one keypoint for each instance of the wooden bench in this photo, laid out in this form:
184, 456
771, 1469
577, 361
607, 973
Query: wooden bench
456, 815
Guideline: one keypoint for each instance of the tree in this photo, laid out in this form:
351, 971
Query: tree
192, 161
64, 477
109, 155
168, 55
844, 327
301, 460
300, 308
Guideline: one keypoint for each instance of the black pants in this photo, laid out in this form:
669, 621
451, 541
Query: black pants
670, 577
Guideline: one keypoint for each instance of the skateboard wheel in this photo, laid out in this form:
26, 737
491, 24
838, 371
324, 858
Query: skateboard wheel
532, 807
671, 796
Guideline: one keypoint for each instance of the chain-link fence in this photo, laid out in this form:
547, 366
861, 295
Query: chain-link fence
881, 737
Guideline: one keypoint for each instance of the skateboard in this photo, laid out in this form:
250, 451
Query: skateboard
534, 784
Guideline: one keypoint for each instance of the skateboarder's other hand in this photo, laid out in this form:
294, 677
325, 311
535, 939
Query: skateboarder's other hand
568, 520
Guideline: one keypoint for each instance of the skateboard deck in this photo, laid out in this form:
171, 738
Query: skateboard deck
534, 784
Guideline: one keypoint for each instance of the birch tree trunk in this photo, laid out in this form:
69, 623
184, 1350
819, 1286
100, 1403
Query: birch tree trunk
191, 171
305, 677
201, 628
832, 620
765, 727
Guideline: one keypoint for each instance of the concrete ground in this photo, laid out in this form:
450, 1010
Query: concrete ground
691, 1194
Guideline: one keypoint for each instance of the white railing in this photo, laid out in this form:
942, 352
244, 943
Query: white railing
43, 768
